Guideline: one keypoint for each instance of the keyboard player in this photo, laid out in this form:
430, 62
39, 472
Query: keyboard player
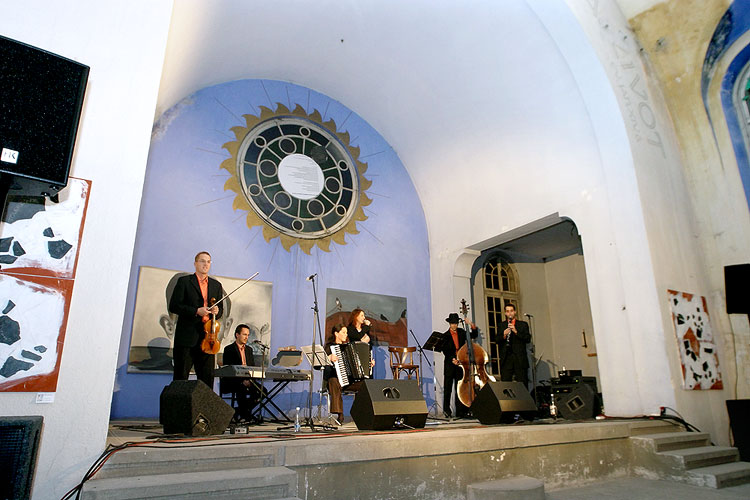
239, 353
338, 335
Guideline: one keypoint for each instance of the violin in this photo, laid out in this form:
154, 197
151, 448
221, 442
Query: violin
211, 344
473, 360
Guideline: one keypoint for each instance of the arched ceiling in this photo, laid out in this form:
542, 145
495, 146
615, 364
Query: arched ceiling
456, 88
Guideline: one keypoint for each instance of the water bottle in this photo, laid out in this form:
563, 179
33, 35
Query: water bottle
553, 408
296, 421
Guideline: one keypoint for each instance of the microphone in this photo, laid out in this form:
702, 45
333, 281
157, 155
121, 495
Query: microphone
528, 315
309, 278
260, 343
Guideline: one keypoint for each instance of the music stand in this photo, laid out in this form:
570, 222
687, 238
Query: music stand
318, 360
435, 343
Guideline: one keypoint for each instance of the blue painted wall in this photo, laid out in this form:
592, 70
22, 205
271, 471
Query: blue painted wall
185, 209
733, 24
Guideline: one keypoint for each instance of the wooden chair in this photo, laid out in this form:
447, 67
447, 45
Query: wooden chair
402, 360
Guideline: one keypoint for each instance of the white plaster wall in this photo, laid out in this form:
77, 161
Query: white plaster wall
675, 259
570, 315
123, 42
534, 300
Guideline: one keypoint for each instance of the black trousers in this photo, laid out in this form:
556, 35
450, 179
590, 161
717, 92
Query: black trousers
187, 357
512, 369
451, 376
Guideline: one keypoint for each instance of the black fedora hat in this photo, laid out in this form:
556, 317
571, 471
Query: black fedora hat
452, 318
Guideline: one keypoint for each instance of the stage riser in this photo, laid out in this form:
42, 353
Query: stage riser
438, 462
448, 476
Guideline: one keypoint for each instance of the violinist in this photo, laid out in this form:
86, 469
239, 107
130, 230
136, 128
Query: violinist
514, 363
454, 338
190, 302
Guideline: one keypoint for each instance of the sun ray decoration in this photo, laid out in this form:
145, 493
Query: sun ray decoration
297, 177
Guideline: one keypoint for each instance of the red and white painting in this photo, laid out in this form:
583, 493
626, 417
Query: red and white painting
695, 341
39, 242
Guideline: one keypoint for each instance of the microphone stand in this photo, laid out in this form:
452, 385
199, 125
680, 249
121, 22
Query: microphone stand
421, 352
316, 323
263, 348
533, 360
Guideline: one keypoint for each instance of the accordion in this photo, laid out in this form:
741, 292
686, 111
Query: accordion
352, 363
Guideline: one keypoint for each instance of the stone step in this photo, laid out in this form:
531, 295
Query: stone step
141, 461
720, 476
667, 441
511, 488
702, 456
654, 426
246, 484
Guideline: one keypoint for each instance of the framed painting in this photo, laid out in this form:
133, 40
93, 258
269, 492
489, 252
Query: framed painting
695, 341
387, 314
152, 336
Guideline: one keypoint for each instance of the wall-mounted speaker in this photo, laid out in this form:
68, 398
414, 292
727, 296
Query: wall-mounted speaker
387, 404
189, 407
39, 114
500, 402
736, 280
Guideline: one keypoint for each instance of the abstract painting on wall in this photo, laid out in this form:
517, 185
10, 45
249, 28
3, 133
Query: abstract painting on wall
39, 242
695, 341
387, 314
152, 336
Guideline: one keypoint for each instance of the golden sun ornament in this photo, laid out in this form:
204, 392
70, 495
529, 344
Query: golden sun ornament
297, 177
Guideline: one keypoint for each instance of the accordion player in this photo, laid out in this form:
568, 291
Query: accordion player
351, 362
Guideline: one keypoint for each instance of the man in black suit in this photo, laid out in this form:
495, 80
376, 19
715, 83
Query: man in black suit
455, 337
190, 302
514, 363
238, 353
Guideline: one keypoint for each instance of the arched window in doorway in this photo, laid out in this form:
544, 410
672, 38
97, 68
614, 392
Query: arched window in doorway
500, 289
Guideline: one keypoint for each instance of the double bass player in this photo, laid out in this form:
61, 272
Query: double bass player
454, 339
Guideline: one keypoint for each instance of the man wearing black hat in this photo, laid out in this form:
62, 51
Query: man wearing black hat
455, 337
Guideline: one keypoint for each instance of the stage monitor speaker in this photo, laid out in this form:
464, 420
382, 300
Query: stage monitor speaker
736, 281
19, 442
189, 407
576, 401
739, 422
500, 402
385, 404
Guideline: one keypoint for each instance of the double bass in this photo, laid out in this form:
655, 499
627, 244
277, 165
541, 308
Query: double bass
473, 360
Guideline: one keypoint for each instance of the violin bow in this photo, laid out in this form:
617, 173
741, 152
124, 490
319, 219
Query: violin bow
240, 286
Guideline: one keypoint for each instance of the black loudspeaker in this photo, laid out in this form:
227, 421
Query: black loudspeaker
19, 442
736, 280
42, 97
385, 404
501, 401
739, 421
189, 407
577, 400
